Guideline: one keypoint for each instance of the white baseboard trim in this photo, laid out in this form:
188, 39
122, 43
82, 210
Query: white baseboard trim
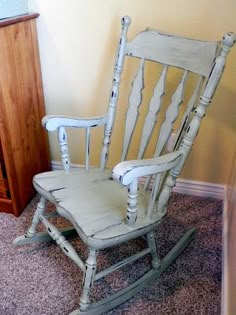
201, 189
183, 186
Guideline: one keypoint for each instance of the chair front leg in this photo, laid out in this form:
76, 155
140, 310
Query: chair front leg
39, 211
89, 275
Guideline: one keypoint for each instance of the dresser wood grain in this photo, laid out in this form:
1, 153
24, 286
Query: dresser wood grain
23, 142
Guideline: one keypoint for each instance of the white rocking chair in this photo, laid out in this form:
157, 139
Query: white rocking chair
108, 207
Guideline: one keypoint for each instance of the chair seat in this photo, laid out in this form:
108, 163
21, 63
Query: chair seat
95, 204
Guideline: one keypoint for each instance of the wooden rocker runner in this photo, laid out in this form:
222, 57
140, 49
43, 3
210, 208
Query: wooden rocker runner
108, 207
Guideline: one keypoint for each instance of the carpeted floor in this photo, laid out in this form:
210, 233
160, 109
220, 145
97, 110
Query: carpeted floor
39, 280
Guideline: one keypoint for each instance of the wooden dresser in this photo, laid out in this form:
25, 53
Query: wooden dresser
23, 142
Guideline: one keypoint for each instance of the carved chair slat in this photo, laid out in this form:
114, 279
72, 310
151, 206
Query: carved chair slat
171, 115
87, 148
135, 100
154, 109
187, 114
153, 196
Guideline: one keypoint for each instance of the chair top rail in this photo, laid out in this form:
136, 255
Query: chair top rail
189, 54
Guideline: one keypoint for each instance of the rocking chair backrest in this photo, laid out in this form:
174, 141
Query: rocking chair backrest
200, 65
189, 55
95, 203
202, 60
193, 58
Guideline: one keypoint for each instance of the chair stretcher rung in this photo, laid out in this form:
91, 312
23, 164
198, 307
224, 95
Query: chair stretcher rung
66, 247
42, 236
122, 263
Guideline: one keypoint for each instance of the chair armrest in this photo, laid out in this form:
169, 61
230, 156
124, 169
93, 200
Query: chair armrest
52, 122
125, 172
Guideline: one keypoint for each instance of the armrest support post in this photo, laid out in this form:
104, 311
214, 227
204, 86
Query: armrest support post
65, 158
132, 202
59, 123
128, 172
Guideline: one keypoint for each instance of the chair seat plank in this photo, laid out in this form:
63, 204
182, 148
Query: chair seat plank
102, 220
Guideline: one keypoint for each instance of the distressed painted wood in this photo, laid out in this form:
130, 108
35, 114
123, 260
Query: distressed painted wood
68, 232
132, 202
190, 107
39, 211
189, 54
109, 207
102, 221
127, 171
66, 247
122, 263
165, 194
126, 21
156, 261
155, 189
52, 122
89, 276
135, 100
228, 41
65, 157
154, 109
152, 275
171, 115
157, 181
87, 148
58, 123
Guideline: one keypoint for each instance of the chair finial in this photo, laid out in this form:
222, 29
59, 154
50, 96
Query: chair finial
126, 21
229, 39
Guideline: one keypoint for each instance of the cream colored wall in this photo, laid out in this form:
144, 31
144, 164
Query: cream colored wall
77, 40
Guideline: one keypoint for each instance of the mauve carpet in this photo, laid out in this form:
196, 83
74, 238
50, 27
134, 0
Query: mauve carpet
39, 279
